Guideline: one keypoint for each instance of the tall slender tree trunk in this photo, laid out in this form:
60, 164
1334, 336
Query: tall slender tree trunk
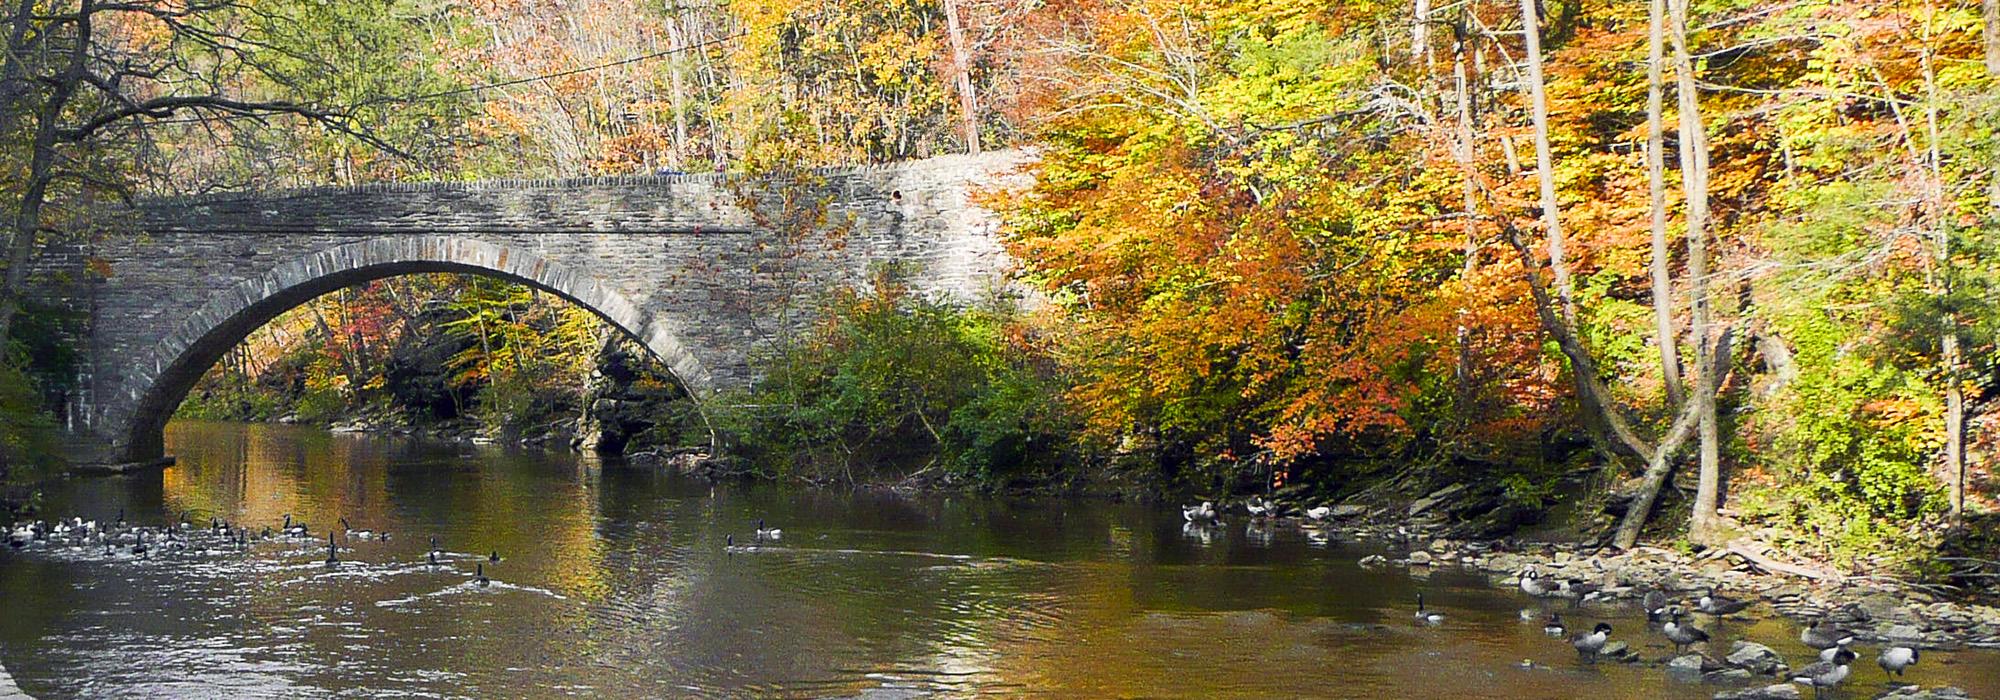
1694, 187
961, 63
1990, 10
1531, 29
1464, 150
1949, 355
1656, 180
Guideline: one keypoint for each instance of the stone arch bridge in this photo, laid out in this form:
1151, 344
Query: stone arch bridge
694, 267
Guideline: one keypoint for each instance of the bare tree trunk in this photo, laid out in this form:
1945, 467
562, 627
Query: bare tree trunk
1420, 31
1990, 9
1663, 299
1694, 187
677, 89
968, 102
1465, 148
1531, 30
1949, 355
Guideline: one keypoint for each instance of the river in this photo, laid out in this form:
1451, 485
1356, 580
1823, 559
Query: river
615, 582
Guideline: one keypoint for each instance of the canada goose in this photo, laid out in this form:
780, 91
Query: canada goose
1825, 674
493, 558
1554, 627
1717, 605
1895, 659
1318, 513
1428, 618
363, 535
1204, 513
480, 576
1533, 584
292, 530
1824, 636
1577, 590
768, 533
436, 552
1682, 635
1260, 508
332, 560
1655, 602
434, 558
1589, 643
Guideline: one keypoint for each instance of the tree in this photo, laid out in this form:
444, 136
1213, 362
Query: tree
87, 78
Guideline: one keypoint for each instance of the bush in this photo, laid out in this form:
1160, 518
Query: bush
891, 384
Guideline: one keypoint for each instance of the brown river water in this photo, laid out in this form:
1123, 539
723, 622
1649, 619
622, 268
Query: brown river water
615, 582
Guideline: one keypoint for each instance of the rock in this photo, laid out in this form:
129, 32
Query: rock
1911, 692
1420, 558
1727, 675
1615, 650
1754, 657
1373, 560
1505, 562
1692, 664
1776, 691
1348, 511
1436, 497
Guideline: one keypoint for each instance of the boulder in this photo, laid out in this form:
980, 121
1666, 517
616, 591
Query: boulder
1754, 657
1436, 497
1344, 512
1420, 558
1727, 675
1775, 691
1911, 692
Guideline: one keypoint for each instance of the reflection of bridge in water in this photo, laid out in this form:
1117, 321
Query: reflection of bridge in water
690, 266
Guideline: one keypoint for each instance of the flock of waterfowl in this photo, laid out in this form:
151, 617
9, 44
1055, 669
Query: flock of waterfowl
119, 539
1674, 617
1828, 671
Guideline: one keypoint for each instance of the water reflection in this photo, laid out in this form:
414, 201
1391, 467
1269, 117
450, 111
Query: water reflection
614, 582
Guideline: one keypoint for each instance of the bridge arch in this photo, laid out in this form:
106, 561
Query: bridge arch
172, 366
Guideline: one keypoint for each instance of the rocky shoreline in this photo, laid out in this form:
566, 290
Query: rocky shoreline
1877, 610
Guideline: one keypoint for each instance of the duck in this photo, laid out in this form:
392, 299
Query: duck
1894, 659
768, 533
1204, 513
1533, 584
1590, 643
479, 577
1655, 603
1318, 513
1717, 605
1825, 674
1822, 636
1554, 627
1682, 635
1428, 618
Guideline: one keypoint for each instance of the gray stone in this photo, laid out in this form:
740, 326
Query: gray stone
1690, 664
1911, 692
1727, 675
1348, 511
1754, 657
1775, 691
1420, 558
1427, 502
692, 267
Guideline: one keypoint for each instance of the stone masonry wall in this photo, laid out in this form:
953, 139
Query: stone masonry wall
692, 266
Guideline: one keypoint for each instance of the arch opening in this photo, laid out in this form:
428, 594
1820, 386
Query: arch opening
180, 360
